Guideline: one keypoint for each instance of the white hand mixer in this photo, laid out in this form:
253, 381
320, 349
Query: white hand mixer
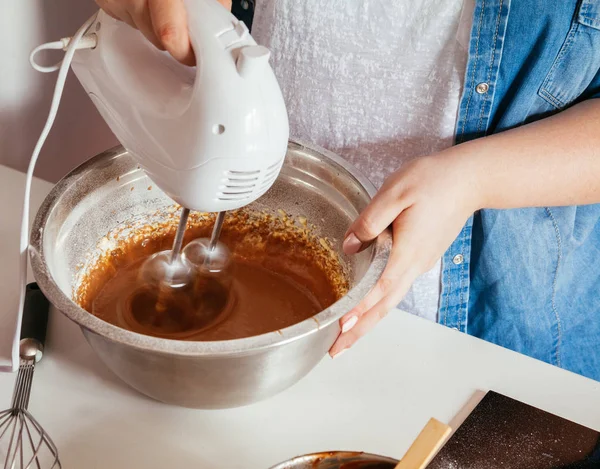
212, 137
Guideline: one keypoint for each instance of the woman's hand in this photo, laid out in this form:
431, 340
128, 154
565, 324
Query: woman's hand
552, 162
163, 22
426, 202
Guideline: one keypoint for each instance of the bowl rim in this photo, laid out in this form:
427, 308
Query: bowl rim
366, 457
247, 345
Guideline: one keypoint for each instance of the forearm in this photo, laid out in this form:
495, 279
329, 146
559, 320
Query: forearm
551, 162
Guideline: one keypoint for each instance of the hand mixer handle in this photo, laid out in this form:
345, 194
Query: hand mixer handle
34, 322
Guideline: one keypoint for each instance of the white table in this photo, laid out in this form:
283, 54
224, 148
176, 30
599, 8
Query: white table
374, 398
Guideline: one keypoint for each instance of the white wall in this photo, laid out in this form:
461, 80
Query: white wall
79, 132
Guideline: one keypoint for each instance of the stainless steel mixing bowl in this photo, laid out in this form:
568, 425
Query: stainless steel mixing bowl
110, 189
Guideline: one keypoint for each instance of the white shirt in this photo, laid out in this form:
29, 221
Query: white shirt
376, 81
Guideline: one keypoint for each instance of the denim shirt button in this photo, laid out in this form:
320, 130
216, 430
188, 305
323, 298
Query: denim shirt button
482, 88
458, 259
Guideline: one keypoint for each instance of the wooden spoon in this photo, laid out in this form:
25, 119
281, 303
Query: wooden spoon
425, 447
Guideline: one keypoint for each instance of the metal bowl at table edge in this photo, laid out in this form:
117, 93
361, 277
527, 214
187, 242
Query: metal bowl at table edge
110, 189
338, 460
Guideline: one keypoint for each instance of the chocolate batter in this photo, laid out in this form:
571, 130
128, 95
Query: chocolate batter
280, 275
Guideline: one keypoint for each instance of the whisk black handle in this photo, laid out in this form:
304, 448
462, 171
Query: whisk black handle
35, 314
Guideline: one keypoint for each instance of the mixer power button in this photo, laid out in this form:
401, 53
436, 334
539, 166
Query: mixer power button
252, 59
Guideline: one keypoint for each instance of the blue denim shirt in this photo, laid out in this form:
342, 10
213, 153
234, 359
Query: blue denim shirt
528, 279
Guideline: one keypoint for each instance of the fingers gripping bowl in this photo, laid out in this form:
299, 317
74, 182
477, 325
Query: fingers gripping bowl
110, 189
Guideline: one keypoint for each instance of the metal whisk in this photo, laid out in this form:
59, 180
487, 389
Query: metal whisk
23, 442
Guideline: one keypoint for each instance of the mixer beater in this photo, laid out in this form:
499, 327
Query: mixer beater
175, 269
190, 279
211, 256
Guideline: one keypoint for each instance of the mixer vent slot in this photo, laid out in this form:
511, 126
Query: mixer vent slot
243, 174
268, 180
240, 185
236, 192
225, 196
270, 175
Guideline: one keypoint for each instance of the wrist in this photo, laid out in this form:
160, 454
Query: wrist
465, 166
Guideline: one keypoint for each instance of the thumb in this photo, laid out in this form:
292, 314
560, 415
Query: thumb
375, 218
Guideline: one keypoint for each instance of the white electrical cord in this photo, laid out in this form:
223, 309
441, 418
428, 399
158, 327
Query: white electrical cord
70, 45
85, 42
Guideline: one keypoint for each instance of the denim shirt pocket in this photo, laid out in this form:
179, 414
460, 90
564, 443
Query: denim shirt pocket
578, 60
